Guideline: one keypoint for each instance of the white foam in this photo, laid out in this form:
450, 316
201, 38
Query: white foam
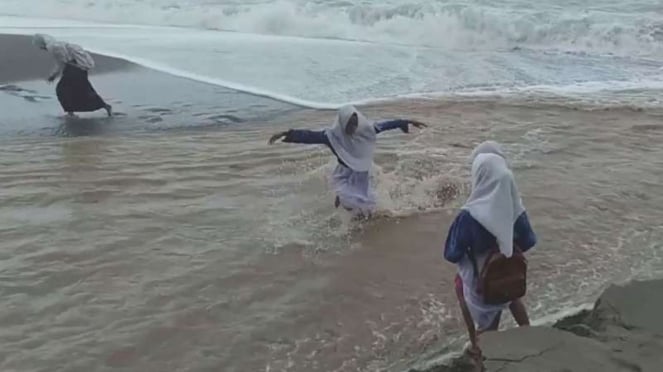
564, 313
373, 58
210, 80
84, 33
424, 23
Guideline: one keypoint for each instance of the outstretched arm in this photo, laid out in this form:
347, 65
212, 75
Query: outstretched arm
301, 136
404, 125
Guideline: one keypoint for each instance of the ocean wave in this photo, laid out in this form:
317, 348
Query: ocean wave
306, 52
449, 25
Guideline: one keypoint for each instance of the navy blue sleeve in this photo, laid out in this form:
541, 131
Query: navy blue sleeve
458, 239
524, 236
392, 124
306, 137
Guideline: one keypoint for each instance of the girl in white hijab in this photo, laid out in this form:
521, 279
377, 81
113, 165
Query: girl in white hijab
352, 139
492, 218
72, 62
488, 147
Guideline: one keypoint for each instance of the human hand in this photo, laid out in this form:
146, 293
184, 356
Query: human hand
418, 124
276, 137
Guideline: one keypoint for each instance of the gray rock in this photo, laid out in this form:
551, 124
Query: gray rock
623, 333
637, 305
544, 349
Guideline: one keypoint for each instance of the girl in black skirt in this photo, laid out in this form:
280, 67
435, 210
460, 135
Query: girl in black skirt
74, 90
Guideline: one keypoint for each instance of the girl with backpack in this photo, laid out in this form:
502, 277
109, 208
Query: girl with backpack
487, 241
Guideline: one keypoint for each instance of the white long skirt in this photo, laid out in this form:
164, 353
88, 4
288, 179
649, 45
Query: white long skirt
483, 314
354, 190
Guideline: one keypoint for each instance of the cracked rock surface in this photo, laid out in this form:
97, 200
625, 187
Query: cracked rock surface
549, 349
623, 333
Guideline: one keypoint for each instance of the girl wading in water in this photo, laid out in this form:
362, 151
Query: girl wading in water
74, 90
352, 140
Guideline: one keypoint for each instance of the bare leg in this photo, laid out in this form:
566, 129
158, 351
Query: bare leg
467, 317
109, 110
519, 313
473, 351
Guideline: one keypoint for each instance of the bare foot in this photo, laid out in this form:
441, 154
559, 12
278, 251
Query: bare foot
474, 354
109, 110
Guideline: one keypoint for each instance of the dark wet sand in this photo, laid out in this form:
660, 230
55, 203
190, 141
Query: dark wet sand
143, 99
20, 60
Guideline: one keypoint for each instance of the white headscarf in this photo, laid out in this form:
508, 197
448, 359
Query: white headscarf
487, 147
64, 52
355, 150
495, 201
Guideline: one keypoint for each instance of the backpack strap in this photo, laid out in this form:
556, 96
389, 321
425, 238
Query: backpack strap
473, 260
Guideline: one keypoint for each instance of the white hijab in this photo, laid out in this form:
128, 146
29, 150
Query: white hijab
64, 52
487, 147
495, 201
355, 150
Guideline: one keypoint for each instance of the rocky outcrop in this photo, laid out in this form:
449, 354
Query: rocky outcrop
624, 332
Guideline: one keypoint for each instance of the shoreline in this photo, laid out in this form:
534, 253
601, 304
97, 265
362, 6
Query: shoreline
24, 62
143, 99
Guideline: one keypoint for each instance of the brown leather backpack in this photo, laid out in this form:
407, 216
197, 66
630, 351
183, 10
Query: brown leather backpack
502, 279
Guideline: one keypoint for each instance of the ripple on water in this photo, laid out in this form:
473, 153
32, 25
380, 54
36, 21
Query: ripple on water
141, 251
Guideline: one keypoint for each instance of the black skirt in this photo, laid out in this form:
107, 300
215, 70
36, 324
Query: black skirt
75, 92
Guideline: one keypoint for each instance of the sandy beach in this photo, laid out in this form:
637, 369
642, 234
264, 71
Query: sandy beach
171, 237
